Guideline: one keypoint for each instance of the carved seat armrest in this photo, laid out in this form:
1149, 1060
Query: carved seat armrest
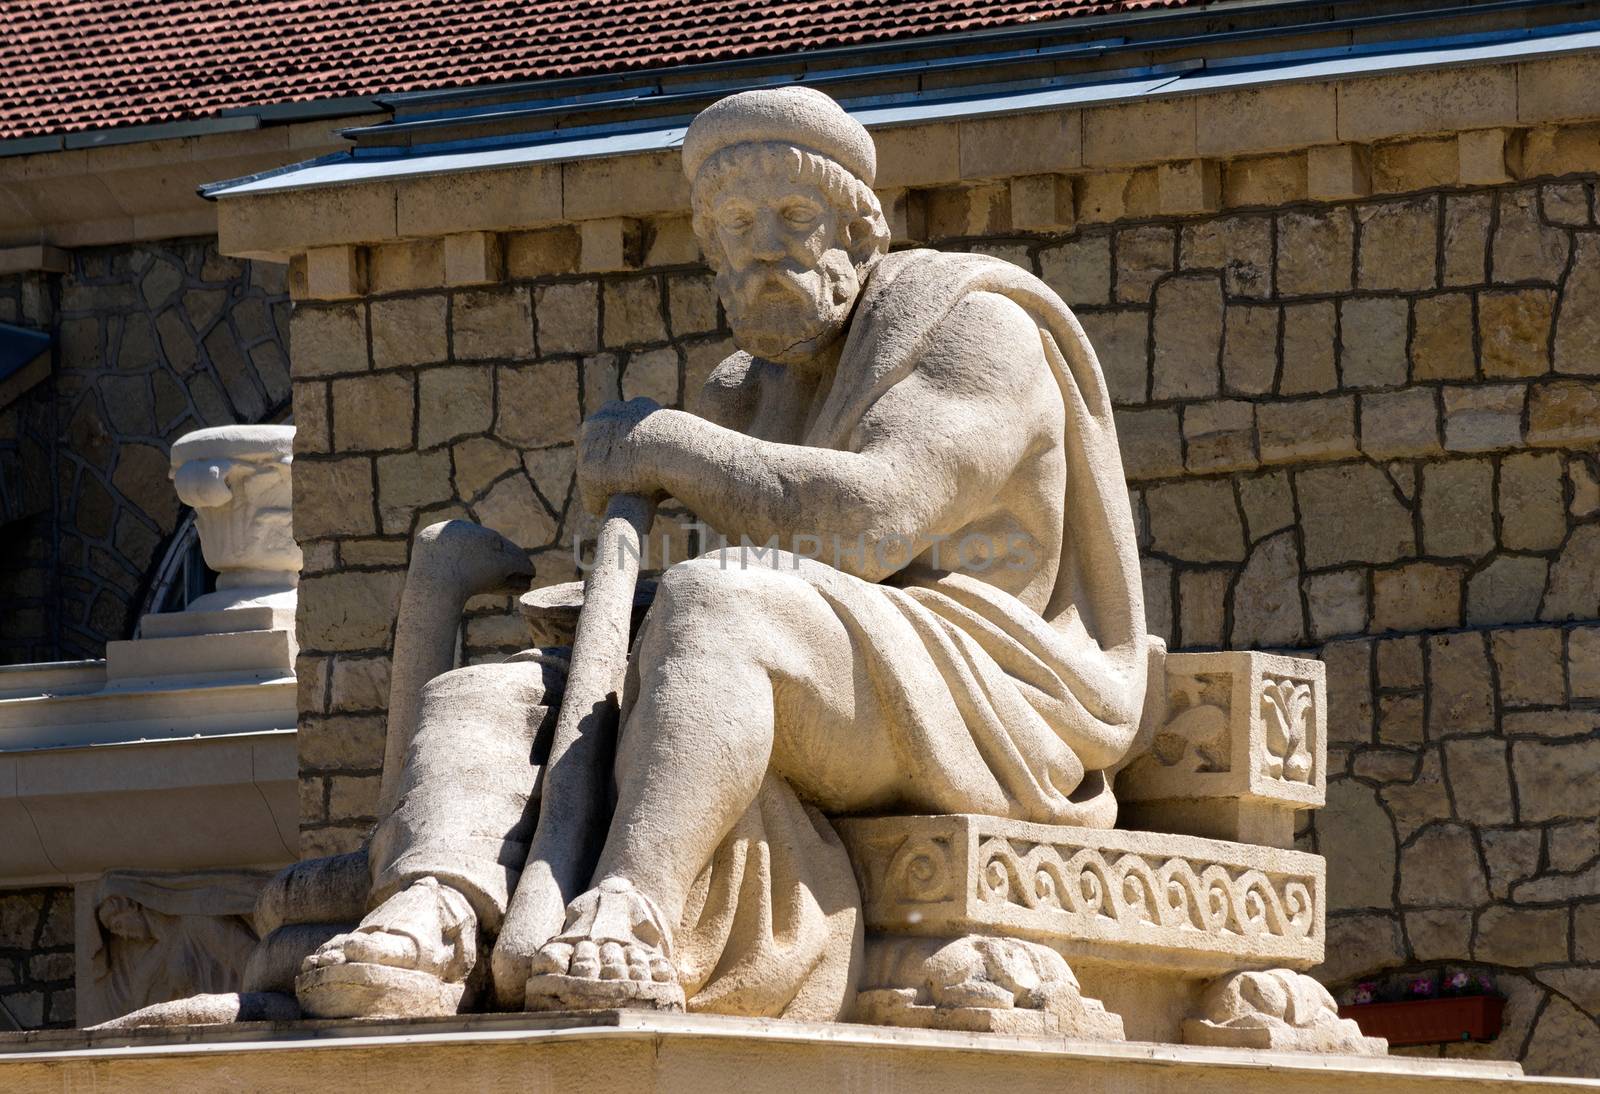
1233, 749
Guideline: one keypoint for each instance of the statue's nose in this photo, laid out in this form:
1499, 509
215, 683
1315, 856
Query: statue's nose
766, 237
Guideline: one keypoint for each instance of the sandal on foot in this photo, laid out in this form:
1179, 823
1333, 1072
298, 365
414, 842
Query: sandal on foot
370, 989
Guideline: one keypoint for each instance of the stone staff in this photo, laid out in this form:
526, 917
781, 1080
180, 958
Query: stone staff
573, 800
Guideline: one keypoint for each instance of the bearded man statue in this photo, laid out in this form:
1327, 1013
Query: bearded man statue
952, 620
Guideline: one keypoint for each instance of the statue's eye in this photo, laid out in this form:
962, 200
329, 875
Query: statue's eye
800, 215
737, 220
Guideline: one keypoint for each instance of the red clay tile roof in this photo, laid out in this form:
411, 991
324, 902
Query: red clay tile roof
72, 65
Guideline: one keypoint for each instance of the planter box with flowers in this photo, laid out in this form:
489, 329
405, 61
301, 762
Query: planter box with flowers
1463, 1008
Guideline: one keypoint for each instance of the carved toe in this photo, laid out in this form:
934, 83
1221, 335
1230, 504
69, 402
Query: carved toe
638, 964
585, 960
613, 961
556, 957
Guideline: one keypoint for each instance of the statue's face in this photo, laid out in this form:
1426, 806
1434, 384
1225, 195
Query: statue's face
786, 280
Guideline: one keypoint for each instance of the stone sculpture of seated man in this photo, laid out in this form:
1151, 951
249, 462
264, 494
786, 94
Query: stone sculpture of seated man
952, 622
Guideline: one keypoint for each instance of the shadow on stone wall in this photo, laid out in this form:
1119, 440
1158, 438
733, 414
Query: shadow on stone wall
153, 340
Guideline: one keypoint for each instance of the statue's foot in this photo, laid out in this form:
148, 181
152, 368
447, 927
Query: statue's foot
412, 956
616, 951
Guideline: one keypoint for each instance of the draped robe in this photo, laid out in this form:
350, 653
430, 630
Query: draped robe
993, 707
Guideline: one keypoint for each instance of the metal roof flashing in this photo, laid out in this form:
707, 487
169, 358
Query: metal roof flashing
370, 164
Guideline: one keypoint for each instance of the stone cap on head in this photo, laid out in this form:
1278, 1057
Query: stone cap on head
235, 442
800, 116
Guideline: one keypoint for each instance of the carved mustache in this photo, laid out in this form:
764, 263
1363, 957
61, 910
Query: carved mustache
788, 277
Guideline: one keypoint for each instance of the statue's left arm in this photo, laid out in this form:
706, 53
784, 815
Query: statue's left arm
934, 449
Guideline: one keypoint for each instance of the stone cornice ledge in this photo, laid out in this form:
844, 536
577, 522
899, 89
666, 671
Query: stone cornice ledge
1166, 154
183, 804
127, 192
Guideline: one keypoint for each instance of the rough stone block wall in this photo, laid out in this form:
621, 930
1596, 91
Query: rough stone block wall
152, 341
1362, 430
26, 492
36, 961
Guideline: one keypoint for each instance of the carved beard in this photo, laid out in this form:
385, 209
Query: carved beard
787, 312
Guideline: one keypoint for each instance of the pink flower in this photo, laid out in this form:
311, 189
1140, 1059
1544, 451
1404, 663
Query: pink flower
1459, 981
1366, 991
1422, 987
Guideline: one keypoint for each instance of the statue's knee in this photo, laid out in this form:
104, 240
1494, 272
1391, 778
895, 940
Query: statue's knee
721, 588
526, 681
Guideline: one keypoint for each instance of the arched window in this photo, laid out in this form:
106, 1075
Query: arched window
182, 576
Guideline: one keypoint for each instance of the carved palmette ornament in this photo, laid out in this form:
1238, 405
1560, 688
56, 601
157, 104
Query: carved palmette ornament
1286, 711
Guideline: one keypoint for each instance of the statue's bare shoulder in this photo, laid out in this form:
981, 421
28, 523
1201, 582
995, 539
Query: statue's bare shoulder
984, 377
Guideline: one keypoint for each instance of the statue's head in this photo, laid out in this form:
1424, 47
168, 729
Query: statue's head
781, 182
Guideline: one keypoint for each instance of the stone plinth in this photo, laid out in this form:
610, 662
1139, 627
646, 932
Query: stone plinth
174, 772
1145, 919
639, 1053
242, 645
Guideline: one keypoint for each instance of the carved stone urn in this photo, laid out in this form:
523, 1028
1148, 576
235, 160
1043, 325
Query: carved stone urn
237, 479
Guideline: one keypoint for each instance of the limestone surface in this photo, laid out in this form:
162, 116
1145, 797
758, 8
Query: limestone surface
237, 479
157, 937
1276, 1009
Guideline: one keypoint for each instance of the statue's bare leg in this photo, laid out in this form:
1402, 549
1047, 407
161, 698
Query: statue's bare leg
440, 877
739, 671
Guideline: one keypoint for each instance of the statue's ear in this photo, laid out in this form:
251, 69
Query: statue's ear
861, 239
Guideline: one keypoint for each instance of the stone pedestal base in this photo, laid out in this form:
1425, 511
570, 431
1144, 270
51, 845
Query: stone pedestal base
634, 1052
1145, 920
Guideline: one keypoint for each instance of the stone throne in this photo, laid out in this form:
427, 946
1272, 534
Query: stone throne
954, 396
1188, 922
1174, 920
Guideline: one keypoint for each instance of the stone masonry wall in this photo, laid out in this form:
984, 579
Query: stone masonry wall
1362, 430
152, 341
27, 518
36, 961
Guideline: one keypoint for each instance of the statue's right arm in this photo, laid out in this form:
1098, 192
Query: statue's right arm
984, 382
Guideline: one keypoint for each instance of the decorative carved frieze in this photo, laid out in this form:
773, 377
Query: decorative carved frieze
1176, 902
148, 937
